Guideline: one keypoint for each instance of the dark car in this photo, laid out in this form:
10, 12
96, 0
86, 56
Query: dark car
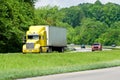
113, 45
82, 46
96, 47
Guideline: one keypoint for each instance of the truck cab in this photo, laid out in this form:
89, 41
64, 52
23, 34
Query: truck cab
35, 40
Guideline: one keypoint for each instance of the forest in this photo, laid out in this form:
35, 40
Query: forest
86, 23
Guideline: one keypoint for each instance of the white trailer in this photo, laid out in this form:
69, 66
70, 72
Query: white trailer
56, 38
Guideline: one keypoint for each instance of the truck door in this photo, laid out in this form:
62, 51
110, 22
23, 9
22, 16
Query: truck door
43, 41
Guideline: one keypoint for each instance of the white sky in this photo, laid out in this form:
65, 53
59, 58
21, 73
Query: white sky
68, 3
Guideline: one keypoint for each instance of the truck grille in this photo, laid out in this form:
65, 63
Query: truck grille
30, 45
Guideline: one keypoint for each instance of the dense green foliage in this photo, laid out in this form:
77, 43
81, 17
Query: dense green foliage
14, 66
86, 23
15, 17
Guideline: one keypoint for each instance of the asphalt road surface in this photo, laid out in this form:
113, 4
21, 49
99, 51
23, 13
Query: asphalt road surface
100, 74
78, 49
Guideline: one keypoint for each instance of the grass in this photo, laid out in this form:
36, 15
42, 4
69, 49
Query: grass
14, 66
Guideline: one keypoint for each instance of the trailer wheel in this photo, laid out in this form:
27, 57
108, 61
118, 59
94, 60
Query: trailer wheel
61, 49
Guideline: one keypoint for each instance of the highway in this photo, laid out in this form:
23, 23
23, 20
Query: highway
79, 49
99, 74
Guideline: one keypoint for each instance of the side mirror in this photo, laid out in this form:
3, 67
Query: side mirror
24, 39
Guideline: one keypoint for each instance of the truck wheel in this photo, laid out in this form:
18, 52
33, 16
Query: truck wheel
61, 49
40, 49
49, 50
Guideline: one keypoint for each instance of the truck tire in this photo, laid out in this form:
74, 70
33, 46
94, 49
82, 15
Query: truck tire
49, 50
40, 49
61, 49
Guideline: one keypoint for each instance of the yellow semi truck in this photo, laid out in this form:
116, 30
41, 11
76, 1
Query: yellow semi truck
45, 38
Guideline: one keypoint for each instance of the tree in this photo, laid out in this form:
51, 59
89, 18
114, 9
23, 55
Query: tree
111, 13
111, 36
14, 20
73, 16
85, 22
91, 30
47, 15
98, 2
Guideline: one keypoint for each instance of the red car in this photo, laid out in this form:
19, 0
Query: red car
97, 46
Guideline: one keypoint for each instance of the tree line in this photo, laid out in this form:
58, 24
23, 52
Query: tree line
85, 23
15, 17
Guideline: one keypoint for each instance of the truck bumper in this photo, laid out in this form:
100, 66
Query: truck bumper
30, 51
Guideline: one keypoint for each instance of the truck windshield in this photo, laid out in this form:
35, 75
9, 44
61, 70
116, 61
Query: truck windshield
33, 36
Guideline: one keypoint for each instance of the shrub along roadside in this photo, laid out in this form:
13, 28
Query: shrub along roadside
15, 66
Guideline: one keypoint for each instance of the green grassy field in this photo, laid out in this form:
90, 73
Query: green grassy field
17, 65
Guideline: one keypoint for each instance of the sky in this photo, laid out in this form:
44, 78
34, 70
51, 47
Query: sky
68, 3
